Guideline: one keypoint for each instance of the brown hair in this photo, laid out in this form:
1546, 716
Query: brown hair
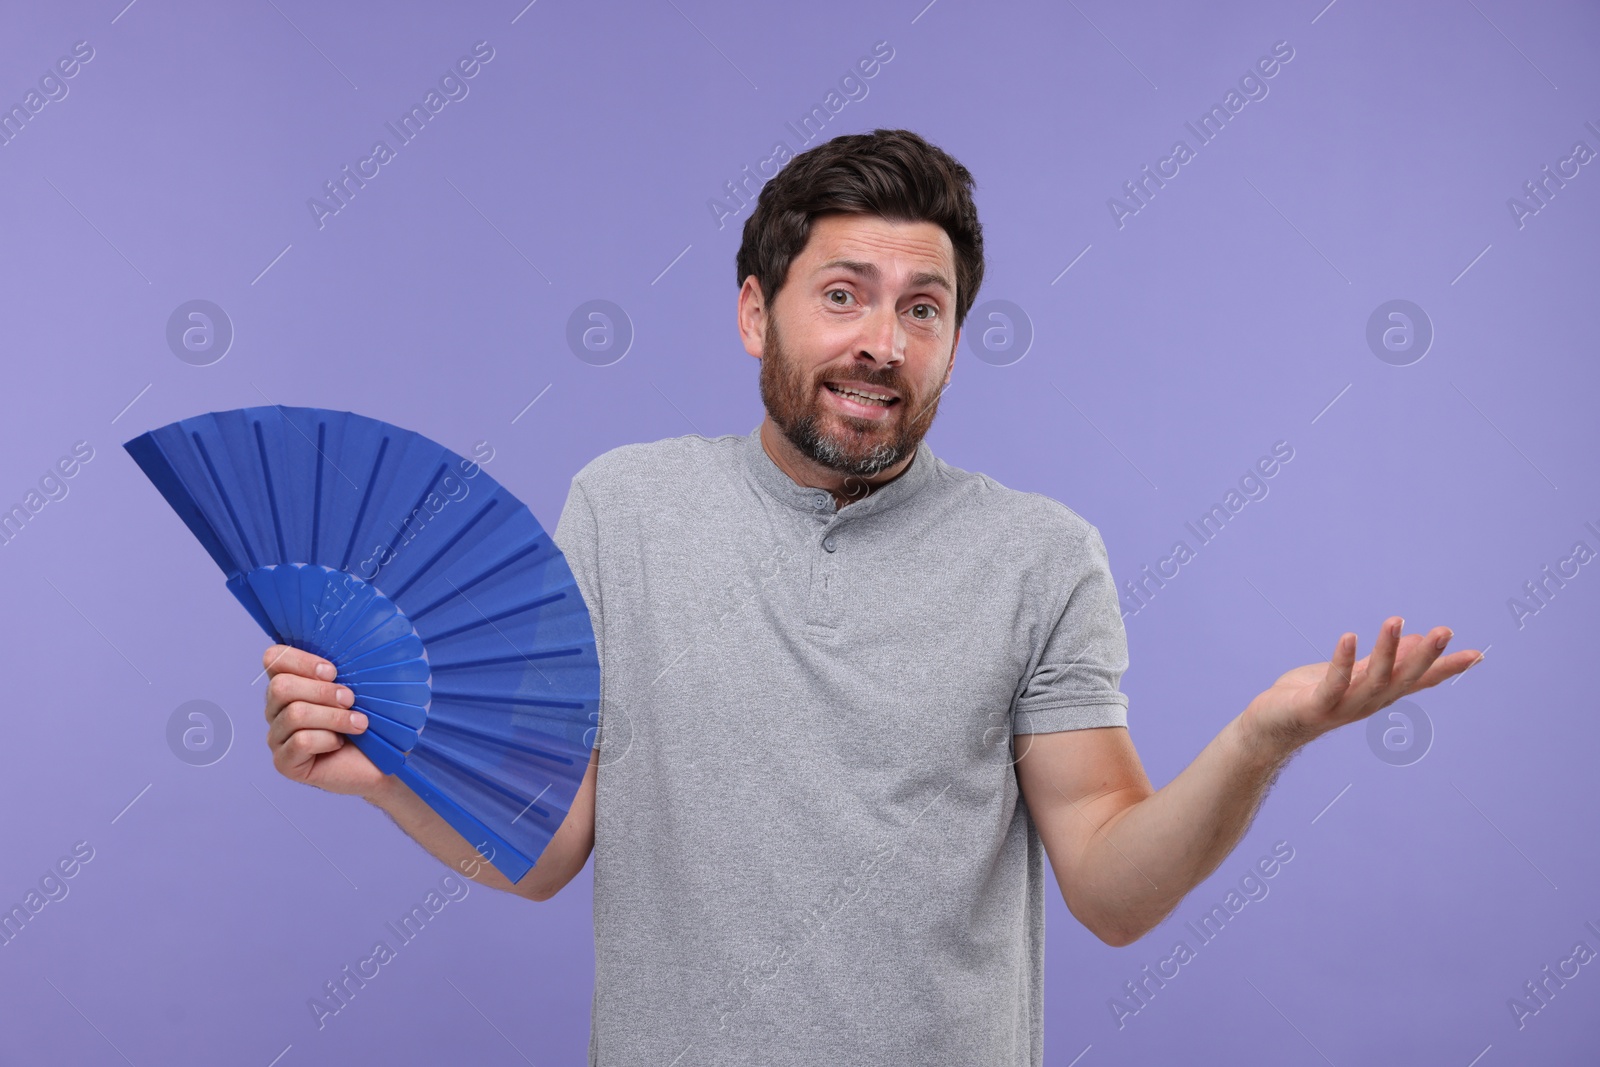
894, 174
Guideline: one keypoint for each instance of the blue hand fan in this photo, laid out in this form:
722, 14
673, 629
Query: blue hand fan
443, 603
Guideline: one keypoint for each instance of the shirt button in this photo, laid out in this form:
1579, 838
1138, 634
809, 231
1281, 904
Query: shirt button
820, 503
829, 543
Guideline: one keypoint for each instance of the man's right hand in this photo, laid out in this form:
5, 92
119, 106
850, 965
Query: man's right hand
308, 715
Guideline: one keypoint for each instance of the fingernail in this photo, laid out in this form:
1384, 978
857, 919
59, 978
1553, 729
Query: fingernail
358, 720
346, 697
1445, 640
326, 672
1399, 626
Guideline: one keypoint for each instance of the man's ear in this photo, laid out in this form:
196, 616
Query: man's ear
954, 346
752, 317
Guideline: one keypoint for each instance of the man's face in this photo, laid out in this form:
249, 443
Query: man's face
869, 304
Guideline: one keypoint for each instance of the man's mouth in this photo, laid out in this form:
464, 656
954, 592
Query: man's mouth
862, 398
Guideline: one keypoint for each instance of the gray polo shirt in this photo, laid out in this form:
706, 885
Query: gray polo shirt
810, 846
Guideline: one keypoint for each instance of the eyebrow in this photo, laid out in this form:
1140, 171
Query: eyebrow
871, 273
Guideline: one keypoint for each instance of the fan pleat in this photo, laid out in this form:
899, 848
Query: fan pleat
398, 733
490, 620
272, 499
386, 757
491, 661
520, 816
400, 590
552, 733
366, 498
356, 611
309, 587
227, 502
417, 506
538, 745
465, 752
391, 629
171, 468
316, 494
513, 863
414, 694
412, 466
387, 660
266, 593
460, 590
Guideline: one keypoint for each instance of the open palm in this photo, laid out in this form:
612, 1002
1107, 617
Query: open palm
1311, 700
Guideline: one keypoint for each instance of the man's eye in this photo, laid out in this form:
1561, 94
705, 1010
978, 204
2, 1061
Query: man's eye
846, 292
930, 307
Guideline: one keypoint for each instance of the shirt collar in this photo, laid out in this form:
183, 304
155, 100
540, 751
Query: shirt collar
819, 501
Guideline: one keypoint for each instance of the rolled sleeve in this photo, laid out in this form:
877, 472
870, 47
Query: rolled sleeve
1074, 684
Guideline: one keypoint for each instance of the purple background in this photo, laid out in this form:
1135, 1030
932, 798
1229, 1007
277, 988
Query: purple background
1228, 314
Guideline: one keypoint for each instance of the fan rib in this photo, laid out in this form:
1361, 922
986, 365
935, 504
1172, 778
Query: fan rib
316, 500
403, 737
238, 527
428, 489
439, 726
448, 545
354, 636
491, 619
366, 498
503, 854
351, 617
272, 497
347, 666
479, 776
380, 673
493, 569
495, 661
513, 700
384, 756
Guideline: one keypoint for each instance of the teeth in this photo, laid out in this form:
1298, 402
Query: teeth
864, 397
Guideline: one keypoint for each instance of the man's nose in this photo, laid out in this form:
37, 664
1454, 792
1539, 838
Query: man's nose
883, 336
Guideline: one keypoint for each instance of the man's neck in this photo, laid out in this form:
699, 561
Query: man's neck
803, 470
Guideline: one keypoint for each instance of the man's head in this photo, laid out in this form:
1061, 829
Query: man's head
858, 267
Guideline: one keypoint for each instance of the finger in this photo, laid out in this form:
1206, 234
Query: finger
283, 688
1449, 666
1380, 666
295, 755
300, 715
1417, 654
281, 658
286, 687
1336, 679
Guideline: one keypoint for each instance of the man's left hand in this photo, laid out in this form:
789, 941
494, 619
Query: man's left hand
1309, 701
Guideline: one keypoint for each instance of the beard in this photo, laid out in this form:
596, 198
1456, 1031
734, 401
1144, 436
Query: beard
844, 443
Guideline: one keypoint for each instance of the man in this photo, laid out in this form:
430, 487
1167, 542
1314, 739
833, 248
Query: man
849, 692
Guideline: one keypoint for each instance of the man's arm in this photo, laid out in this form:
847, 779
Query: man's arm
1125, 855
560, 862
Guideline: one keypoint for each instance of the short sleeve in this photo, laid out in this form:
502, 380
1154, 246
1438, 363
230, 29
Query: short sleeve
577, 535
1074, 682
